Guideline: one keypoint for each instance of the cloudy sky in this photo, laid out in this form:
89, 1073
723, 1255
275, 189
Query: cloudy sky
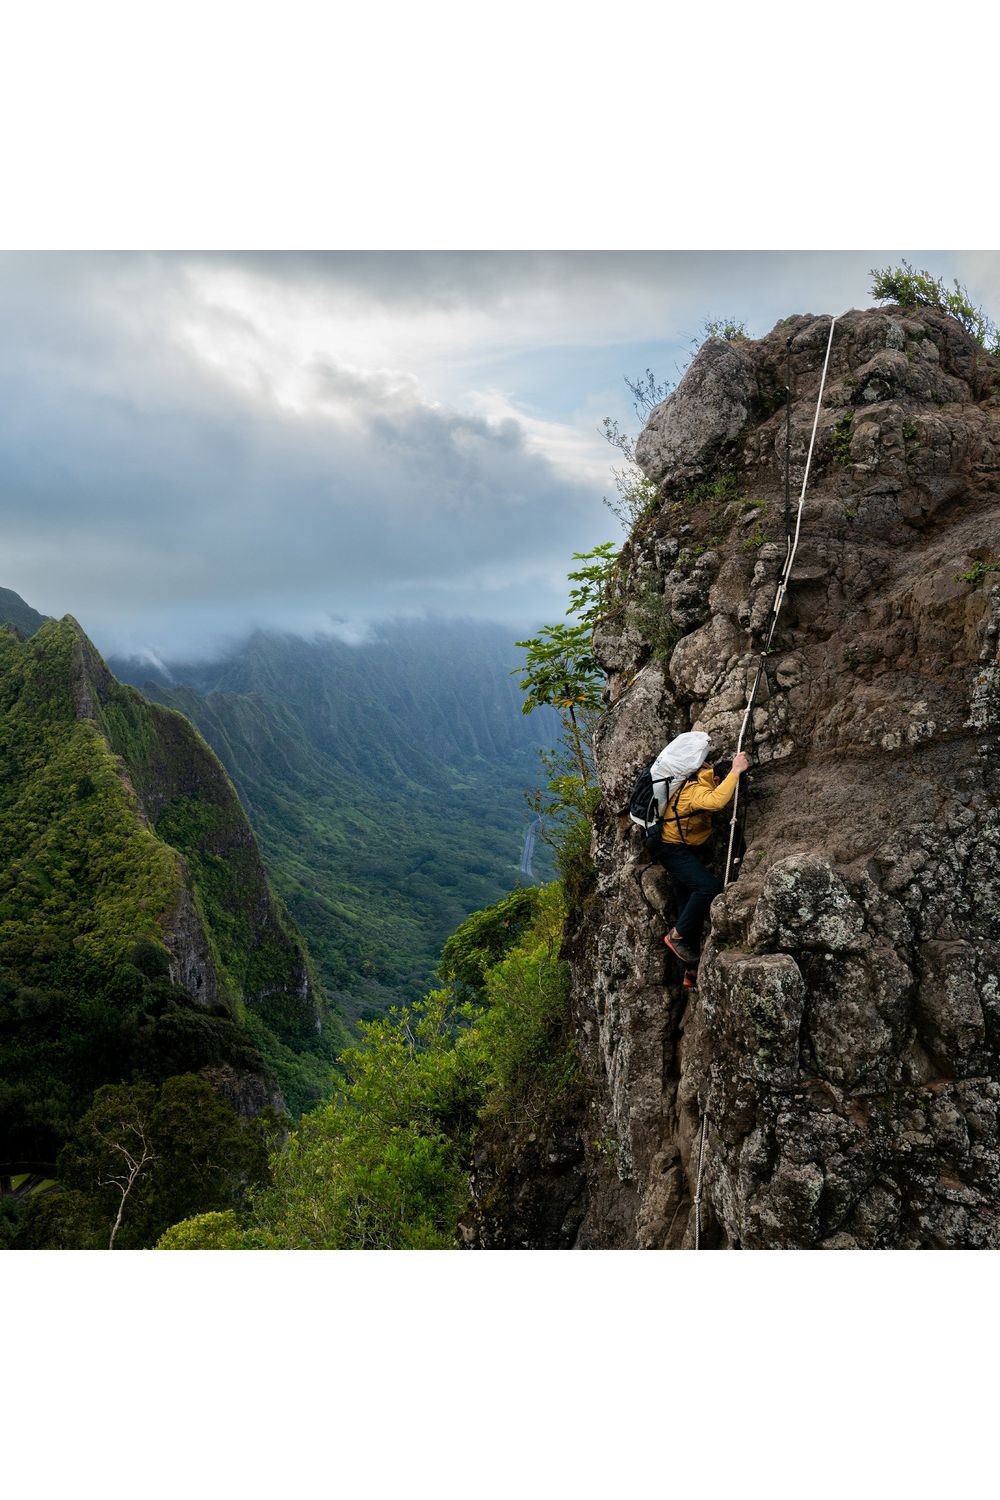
194, 445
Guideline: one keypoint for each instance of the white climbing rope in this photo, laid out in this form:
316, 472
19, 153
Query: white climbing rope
779, 600
779, 597
697, 1191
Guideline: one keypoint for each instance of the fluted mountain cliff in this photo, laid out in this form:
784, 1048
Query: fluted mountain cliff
138, 935
843, 1044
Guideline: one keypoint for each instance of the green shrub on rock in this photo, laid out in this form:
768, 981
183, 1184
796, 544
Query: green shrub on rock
910, 288
214, 1231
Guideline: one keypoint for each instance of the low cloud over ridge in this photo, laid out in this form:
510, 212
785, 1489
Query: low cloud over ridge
193, 445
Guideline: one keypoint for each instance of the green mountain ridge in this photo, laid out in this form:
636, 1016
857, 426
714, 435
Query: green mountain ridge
138, 935
14, 611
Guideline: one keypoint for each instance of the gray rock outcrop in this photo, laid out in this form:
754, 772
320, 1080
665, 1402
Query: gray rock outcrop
689, 431
844, 1041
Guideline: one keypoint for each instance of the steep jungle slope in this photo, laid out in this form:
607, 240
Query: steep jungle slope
138, 935
385, 783
843, 1044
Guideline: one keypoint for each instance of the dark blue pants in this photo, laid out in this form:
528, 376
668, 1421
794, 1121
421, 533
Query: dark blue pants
695, 885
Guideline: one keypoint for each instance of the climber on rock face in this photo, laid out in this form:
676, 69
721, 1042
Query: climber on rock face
692, 792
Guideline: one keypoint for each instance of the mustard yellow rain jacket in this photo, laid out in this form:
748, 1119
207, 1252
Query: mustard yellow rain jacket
695, 804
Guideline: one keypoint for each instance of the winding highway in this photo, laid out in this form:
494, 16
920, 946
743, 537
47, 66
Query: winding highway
527, 853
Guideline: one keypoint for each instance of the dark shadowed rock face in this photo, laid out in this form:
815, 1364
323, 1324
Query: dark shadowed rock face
844, 1041
247, 1092
528, 1188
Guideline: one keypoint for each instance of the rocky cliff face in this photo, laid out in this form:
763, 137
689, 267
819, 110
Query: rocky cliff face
844, 1041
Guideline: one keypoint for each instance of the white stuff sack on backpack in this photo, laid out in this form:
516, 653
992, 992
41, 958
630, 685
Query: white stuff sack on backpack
676, 762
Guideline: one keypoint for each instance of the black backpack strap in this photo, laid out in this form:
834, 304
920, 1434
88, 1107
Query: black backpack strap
680, 818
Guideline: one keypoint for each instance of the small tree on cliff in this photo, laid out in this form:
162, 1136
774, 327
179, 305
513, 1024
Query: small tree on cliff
560, 672
638, 497
145, 1156
908, 287
113, 1153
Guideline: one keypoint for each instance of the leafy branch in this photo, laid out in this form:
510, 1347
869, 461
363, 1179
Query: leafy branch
560, 672
910, 288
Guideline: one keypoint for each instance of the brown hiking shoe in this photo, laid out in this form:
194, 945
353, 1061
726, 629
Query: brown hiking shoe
680, 949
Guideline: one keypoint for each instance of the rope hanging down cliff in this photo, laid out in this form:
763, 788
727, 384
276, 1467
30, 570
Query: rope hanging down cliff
738, 845
791, 547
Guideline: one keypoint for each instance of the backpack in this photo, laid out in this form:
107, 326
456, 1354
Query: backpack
644, 810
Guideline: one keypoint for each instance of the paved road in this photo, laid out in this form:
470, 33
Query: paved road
527, 853
21, 1184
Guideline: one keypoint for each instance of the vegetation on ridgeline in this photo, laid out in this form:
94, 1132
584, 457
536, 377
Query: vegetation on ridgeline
117, 824
386, 1164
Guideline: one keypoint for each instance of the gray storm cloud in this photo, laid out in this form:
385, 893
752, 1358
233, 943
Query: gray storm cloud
195, 445
169, 508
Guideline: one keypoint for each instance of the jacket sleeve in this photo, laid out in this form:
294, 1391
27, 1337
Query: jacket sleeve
700, 798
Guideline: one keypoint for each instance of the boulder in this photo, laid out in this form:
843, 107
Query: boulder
688, 432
